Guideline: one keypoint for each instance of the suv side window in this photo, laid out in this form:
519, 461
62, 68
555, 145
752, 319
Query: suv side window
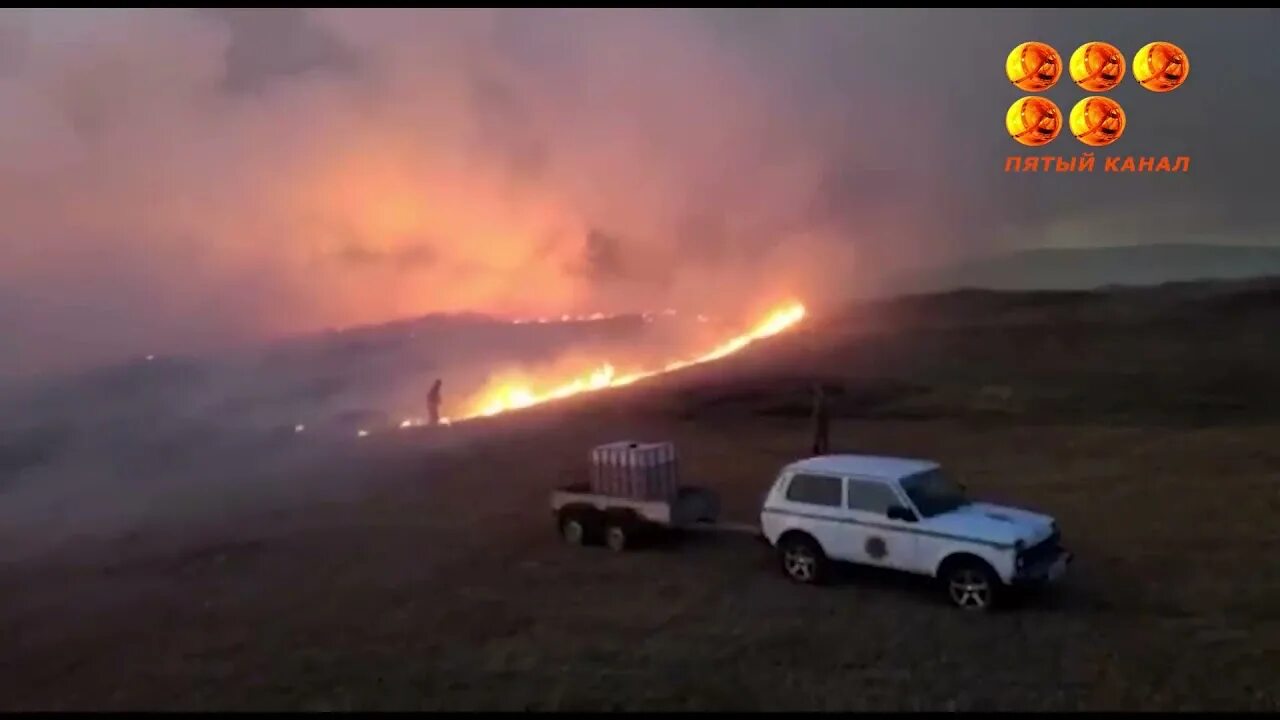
871, 496
815, 490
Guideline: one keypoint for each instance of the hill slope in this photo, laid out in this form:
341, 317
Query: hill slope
1084, 268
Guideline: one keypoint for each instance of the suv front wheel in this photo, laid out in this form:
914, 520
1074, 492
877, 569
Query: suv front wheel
971, 585
802, 559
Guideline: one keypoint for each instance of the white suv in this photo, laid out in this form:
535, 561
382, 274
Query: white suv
905, 515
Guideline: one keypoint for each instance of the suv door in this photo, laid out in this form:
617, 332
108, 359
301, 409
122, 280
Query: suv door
880, 540
815, 503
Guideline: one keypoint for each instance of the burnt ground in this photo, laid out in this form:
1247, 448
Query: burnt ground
1146, 421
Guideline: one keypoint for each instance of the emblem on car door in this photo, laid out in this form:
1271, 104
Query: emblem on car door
876, 548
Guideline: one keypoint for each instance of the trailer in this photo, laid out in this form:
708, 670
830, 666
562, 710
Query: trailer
584, 517
633, 492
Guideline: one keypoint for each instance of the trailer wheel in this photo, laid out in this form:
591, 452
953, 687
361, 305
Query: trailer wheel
574, 528
617, 536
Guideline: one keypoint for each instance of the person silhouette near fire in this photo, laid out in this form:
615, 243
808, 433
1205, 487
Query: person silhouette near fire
433, 404
821, 421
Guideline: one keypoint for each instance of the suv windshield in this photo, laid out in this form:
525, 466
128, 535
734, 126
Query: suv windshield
933, 493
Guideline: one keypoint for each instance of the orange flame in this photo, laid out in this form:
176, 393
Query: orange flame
506, 396
594, 317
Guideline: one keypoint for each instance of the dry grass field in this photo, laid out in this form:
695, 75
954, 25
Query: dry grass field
1146, 421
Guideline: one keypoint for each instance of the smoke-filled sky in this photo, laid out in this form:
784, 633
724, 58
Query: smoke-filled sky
175, 180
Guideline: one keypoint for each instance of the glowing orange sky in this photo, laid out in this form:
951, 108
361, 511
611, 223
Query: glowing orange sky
180, 178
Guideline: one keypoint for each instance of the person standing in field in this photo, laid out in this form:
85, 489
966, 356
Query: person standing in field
433, 404
821, 421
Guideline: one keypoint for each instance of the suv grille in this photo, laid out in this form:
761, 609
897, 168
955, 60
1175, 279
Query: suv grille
1043, 550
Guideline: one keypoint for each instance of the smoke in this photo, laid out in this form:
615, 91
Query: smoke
168, 441
174, 183
175, 180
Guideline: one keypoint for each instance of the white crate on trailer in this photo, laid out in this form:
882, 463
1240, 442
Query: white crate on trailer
639, 470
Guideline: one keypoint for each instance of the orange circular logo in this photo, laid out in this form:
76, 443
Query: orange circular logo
1097, 121
1097, 66
1033, 120
1160, 66
1033, 66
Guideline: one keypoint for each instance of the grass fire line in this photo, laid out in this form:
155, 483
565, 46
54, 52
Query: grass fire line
505, 396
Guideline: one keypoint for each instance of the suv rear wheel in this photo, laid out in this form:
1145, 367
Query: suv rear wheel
802, 559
